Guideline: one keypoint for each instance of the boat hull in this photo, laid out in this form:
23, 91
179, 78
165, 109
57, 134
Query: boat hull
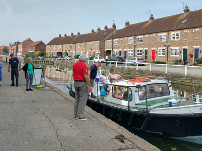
168, 125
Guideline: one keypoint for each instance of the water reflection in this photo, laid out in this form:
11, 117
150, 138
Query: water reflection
59, 78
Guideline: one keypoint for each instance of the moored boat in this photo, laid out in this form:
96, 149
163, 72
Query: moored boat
149, 105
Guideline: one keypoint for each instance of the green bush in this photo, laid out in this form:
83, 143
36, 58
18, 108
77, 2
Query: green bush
76, 56
91, 57
159, 62
178, 62
32, 55
198, 60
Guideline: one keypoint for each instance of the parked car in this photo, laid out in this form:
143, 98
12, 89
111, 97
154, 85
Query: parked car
135, 60
116, 58
101, 59
68, 58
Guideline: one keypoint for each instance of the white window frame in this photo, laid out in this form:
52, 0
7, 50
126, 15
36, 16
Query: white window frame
139, 52
108, 42
54, 46
140, 39
79, 45
130, 40
161, 51
70, 46
98, 43
176, 49
115, 52
130, 52
174, 36
116, 41
162, 37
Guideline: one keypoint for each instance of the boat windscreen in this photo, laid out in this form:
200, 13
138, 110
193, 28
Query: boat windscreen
153, 91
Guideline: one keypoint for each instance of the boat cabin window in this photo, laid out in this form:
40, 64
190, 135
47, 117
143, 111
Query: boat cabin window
153, 91
120, 92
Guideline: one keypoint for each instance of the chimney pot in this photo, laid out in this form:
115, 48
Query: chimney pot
186, 9
151, 17
72, 34
78, 34
59, 35
98, 29
105, 28
65, 35
92, 31
127, 23
114, 26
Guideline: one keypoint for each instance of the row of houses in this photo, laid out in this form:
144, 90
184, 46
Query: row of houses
176, 37
22, 48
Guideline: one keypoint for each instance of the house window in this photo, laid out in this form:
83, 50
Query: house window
54, 47
175, 36
98, 43
79, 45
64, 47
49, 46
41, 47
58, 46
139, 39
174, 52
115, 52
108, 42
130, 52
84, 44
116, 41
90, 44
162, 37
139, 52
130, 40
54, 53
161, 52
70, 46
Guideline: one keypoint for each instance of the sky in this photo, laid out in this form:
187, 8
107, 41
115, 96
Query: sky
46, 19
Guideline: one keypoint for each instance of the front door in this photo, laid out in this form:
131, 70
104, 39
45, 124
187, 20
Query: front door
146, 54
125, 53
153, 55
184, 56
196, 53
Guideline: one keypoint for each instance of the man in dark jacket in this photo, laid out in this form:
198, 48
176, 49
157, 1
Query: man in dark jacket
14, 64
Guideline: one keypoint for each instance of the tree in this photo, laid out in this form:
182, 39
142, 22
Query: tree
38, 53
43, 53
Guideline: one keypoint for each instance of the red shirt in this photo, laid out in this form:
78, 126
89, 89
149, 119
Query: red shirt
79, 69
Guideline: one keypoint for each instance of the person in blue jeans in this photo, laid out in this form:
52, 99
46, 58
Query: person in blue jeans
1, 64
29, 71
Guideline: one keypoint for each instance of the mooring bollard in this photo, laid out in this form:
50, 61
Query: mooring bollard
116, 63
136, 66
150, 67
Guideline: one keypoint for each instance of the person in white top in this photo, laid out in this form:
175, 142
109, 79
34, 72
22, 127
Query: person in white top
104, 79
113, 76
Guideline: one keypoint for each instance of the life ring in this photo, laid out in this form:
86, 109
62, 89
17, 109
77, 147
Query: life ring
140, 79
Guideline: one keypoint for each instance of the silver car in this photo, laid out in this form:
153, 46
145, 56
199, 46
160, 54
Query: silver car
136, 60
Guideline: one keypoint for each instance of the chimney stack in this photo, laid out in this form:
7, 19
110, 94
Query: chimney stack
92, 31
98, 29
186, 9
151, 17
105, 28
127, 23
78, 34
65, 35
59, 35
72, 34
114, 26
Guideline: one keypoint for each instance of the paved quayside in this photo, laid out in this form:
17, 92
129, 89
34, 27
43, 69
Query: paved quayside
42, 120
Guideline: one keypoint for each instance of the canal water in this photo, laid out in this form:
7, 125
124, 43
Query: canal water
60, 79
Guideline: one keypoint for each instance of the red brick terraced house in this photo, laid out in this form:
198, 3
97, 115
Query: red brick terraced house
23, 47
37, 46
176, 37
10, 50
54, 47
92, 43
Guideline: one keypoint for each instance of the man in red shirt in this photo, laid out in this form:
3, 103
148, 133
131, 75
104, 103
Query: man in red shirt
82, 86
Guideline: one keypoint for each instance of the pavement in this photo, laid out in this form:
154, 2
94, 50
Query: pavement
42, 120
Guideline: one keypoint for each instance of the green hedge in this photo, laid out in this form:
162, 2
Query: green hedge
159, 62
76, 56
91, 57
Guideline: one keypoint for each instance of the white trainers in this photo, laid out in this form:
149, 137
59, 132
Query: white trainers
81, 119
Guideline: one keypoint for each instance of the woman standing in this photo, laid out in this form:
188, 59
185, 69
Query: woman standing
1, 64
29, 71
